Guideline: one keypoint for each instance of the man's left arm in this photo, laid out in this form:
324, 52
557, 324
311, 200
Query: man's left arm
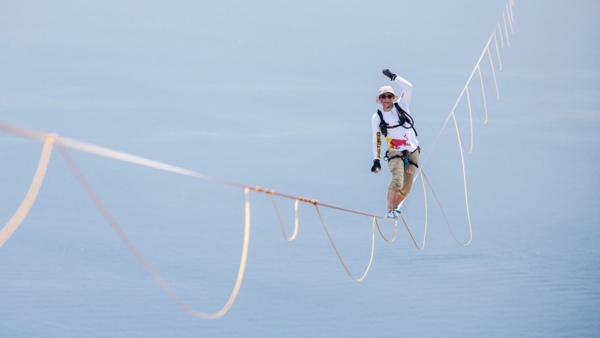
406, 91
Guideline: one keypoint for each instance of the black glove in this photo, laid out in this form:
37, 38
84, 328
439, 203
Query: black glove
376, 166
389, 74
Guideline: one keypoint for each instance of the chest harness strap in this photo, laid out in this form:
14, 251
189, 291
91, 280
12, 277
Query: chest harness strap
403, 118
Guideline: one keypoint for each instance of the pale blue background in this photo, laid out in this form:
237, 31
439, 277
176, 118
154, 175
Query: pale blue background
280, 95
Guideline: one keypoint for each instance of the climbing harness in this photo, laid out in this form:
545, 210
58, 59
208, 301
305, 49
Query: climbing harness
405, 157
403, 118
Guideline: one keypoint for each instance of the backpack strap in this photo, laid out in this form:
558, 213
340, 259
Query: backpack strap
382, 124
404, 117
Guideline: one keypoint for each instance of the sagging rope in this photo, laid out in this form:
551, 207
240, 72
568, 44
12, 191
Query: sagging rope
508, 20
63, 143
15, 221
146, 264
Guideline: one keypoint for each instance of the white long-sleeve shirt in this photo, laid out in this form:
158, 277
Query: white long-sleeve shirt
399, 138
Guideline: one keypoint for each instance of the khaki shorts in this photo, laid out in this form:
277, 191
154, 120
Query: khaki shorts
402, 180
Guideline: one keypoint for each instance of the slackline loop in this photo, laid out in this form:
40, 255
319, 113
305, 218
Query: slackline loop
140, 257
482, 80
446, 218
420, 248
293, 236
338, 254
381, 233
38, 178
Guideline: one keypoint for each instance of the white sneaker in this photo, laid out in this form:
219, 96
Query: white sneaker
391, 215
397, 210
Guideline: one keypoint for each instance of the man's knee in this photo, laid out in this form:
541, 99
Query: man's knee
404, 192
407, 186
396, 184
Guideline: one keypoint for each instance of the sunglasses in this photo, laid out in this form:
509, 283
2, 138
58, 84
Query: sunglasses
384, 96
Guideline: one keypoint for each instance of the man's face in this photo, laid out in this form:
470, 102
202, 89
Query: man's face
387, 100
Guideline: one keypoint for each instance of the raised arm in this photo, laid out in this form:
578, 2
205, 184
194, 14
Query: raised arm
404, 100
406, 92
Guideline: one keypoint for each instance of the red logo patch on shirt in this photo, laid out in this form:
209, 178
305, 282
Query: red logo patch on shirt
396, 143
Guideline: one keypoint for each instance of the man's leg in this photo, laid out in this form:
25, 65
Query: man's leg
409, 174
396, 166
393, 199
